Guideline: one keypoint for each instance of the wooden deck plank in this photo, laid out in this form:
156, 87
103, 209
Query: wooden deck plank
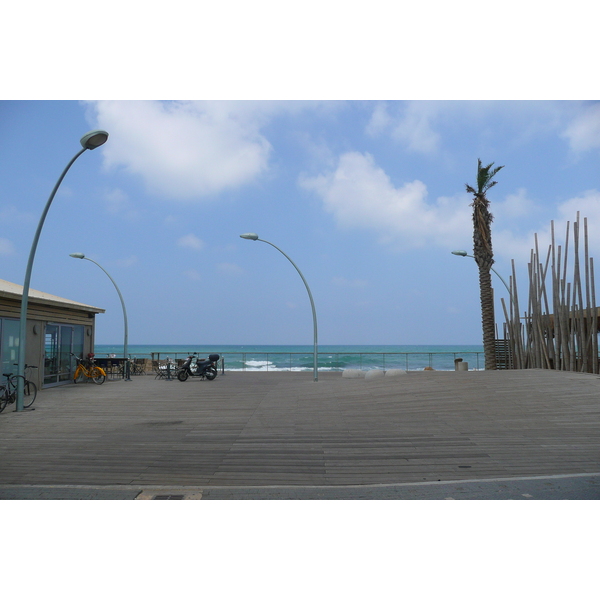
285, 429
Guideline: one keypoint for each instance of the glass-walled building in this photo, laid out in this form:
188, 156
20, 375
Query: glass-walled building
56, 327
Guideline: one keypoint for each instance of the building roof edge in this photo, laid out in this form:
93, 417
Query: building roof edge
14, 291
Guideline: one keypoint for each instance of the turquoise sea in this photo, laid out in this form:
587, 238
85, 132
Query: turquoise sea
300, 358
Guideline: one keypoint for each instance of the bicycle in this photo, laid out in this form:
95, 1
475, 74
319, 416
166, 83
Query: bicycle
89, 369
8, 392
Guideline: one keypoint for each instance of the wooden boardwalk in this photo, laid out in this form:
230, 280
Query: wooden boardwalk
246, 429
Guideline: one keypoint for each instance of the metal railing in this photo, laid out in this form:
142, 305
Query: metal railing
331, 361
338, 361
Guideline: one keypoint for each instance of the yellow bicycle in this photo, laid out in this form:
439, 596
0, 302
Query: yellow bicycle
87, 368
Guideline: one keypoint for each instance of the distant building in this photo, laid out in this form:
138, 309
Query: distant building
55, 328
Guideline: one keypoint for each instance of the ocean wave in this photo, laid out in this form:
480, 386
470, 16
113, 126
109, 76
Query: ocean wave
259, 364
274, 369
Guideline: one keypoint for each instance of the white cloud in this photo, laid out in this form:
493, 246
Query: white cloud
584, 131
229, 268
416, 131
519, 245
360, 195
588, 206
117, 203
514, 206
193, 274
380, 120
349, 283
185, 150
514, 216
412, 127
11, 214
116, 200
128, 262
510, 245
191, 242
428, 127
6, 247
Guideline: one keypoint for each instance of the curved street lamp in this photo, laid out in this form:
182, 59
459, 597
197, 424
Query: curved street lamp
254, 237
464, 253
90, 141
126, 365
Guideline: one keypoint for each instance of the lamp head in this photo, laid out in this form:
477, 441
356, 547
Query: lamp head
93, 139
459, 252
77, 255
249, 236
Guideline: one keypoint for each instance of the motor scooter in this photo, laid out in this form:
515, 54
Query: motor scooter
204, 367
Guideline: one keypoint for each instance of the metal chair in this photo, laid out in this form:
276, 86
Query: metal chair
156, 369
138, 366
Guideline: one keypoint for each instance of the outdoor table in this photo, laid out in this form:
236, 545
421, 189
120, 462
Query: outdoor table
114, 366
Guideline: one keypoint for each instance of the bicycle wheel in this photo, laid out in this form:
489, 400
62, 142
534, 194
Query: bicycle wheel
97, 375
3, 397
29, 393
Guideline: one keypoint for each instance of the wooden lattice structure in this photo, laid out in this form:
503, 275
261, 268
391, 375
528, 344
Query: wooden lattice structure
559, 329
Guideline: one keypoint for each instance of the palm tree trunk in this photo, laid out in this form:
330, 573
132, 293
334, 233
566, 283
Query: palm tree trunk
488, 321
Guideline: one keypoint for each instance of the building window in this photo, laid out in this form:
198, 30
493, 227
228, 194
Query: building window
9, 344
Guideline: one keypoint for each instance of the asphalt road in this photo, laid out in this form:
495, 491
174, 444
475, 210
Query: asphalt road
568, 487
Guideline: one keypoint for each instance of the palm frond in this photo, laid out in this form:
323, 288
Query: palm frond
491, 176
484, 178
495, 170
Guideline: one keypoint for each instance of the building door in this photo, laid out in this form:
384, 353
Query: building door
59, 342
64, 355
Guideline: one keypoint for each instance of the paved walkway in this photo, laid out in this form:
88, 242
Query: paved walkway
490, 434
558, 487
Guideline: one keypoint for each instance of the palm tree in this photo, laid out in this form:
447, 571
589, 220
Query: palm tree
484, 257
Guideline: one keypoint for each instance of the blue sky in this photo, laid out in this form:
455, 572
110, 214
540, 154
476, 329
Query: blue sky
346, 139
367, 197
